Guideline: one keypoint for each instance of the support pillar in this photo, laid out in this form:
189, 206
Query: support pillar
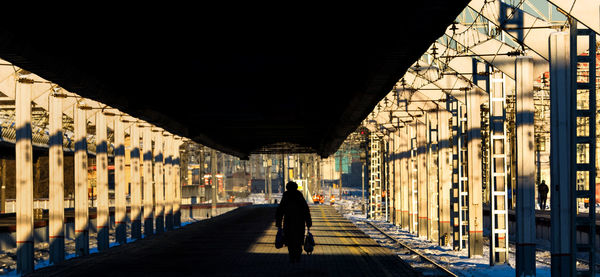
397, 179
148, 183
474, 169
562, 155
444, 176
24, 175
214, 181
405, 180
412, 186
136, 188
102, 214
169, 187
120, 183
82, 245
525, 209
159, 188
177, 182
422, 212
432, 180
56, 178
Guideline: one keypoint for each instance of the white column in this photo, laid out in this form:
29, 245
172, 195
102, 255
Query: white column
474, 169
159, 188
136, 189
444, 175
24, 175
525, 259
81, 183
177, 182
148, 182
56, 191
120, 183
169, 187
432, 180
397, 178
102, 210
562, 155
422, 211
404, 176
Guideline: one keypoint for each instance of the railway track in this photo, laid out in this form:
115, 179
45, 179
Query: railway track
417, 260
425, 264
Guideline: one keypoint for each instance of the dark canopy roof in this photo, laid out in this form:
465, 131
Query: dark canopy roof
238, 79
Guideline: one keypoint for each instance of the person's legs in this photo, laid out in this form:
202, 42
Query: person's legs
297, 253
543, 205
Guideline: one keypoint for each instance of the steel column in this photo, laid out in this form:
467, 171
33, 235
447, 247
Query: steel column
169, 187
405, 176
422, 178
413, 170
214, 181
585, 139
498, 181
375, 177
474, 172
56, 211
459, 195
177, 182
24, 175
562, 155
135, 176
444, 176
397, 179
120, 183
159, 183
148, 184
525, 209
102, 214
432, 181
81, 183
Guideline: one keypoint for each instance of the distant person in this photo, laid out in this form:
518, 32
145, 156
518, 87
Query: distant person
543, 194
294, 212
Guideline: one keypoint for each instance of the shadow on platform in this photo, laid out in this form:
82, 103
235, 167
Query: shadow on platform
240, 243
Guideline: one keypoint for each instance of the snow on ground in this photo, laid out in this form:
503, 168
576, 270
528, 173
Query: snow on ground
457, 261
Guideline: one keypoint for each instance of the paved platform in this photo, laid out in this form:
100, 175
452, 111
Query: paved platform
241, 243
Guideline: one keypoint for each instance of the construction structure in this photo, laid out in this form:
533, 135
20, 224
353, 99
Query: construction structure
503, 84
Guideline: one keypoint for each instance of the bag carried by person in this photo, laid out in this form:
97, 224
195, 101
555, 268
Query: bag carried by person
279, 239
309, 243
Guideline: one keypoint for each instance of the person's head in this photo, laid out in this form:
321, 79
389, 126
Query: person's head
291, 186
544, 182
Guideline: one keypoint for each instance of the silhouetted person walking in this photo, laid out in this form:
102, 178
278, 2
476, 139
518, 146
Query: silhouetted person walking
543, 194
294, 212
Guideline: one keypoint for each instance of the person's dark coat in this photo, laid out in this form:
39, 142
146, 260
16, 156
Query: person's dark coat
295, 214
543, 190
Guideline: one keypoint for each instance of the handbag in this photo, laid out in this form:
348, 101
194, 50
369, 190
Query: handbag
309, 243
279, 239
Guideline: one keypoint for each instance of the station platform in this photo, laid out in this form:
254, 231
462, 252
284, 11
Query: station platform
241, 243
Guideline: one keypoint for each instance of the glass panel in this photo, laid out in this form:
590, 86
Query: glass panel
583, 150
583, 96
583, 72
583, 126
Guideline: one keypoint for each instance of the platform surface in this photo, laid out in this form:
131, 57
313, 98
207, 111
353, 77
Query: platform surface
241, 243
